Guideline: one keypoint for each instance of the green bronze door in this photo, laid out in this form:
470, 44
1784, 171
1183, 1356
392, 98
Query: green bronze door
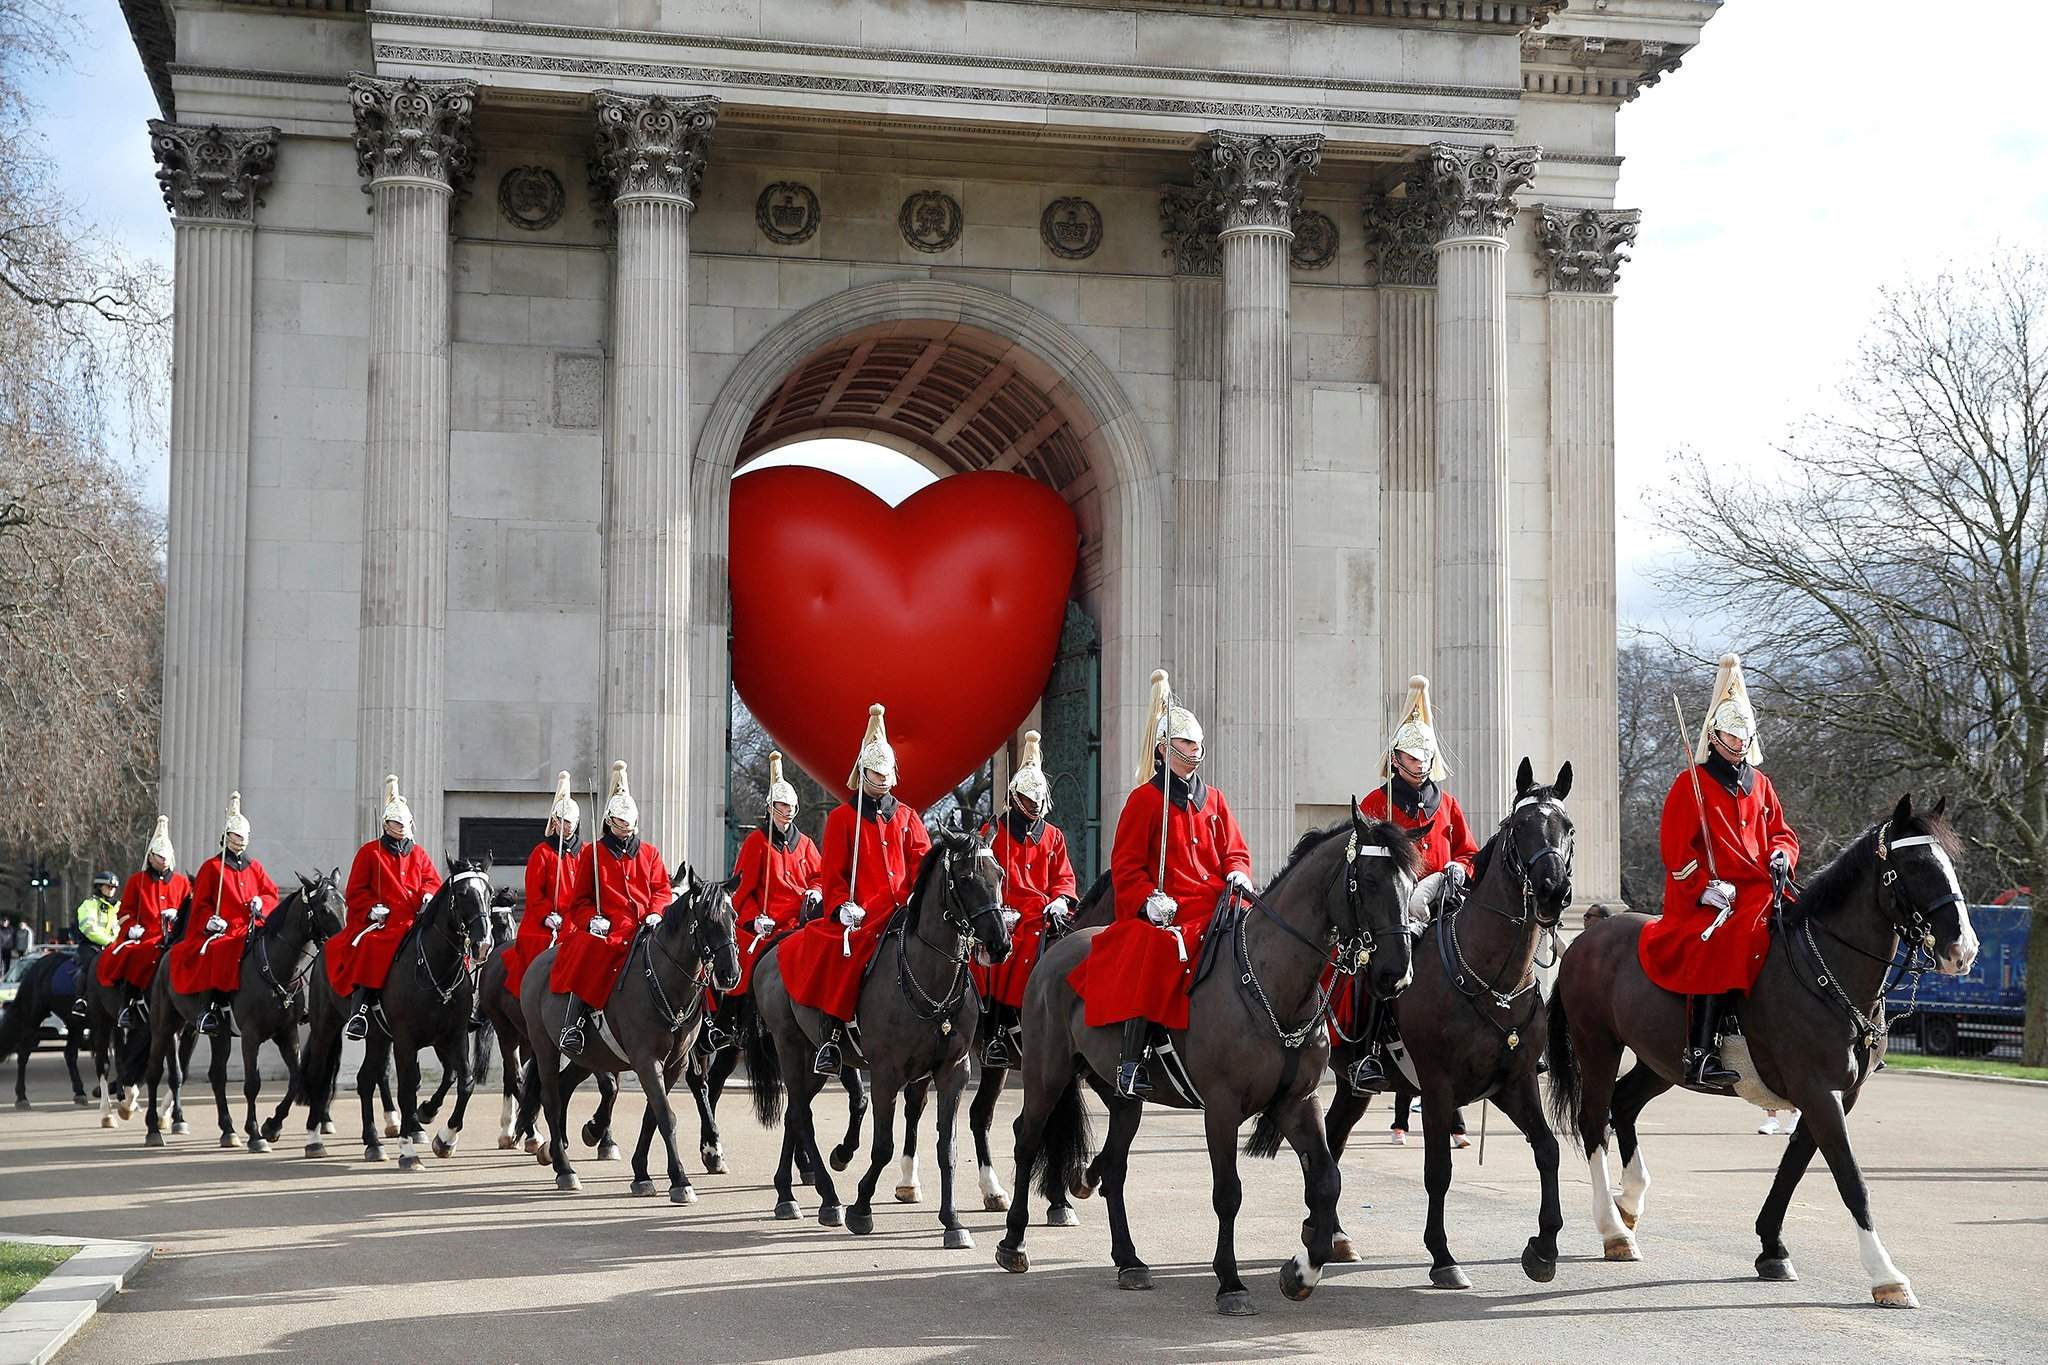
1071, 725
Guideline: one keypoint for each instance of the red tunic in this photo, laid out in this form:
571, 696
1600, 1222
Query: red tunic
547, 893
772, 883
1747, 827
627, 888
1444, 838
201, 961
822, 964
1134, 969
1035, 871
360, 955
147, 902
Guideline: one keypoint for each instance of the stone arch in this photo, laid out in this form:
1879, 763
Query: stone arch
1122, 575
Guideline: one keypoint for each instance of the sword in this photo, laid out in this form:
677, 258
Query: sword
1699, 802
853, 870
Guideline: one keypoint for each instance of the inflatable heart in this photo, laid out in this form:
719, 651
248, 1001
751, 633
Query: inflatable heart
947, 610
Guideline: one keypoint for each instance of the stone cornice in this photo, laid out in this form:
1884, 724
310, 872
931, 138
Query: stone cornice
650, 145
1486, 14
414, 129
1585, 248
212, 173
1255, 178
1472, 189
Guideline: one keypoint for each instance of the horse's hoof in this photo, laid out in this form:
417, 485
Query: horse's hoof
1342, 1250
1629, 1220
272, 1130
180, 1128
995, 1203
1621, 1248
1775, 1268
373, 1152
1898, 1295
840, 1158
1451, 1276
106, 1120
410, 1163
1236, 1304
1012, 1259
153, 1138
608, 1152
1061, 1216
230, 1140
23, 1104
508, 1143
591, 1135
81, 1101
126, 1110
643, 1188
540, 1157
427, 1111
682, 1194
788, 1211
831, 1215
714, 1163
1294, 1285
1537, 1266
533, 1146
568, 1181
257, 1144
958, 1239
909, 1194
326, 1130
860, 1222
444, 1150
1080, 1189
1134, 1277
390, 1130
316, 1149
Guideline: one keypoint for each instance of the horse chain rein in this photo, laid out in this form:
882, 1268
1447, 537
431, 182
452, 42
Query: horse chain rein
1915, 936
923, 1004
447, 993
1528, 916
313, 941
1351, 958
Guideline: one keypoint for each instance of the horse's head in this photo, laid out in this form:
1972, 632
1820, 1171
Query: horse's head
326, 911
1381, 864
467, 897
705, 911
1916, 861
1536, 842
971, 890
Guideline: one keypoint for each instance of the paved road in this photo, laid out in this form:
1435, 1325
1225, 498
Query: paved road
478, 1259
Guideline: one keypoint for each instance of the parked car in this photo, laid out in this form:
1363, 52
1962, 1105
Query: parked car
1975, 1012
53, 1030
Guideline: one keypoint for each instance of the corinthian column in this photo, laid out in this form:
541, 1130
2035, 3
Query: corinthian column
1473, 189
1188, 223
649, 161
1256, 181
1585, 249
416, 152
212, 179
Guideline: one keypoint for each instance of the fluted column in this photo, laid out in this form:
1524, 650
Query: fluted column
1189, 225
1256, 180
1474, 191
649, 160
1585, 249
1400, 234
212, 179
416, 151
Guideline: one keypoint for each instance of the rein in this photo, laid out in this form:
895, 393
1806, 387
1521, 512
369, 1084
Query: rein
927, 1007
1914, 937
1248, 980
463, 970
308, 951
1465, 979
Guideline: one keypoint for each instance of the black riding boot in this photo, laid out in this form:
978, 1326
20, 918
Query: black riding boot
571, 1042
1004, 1030
1367, 1076
827, 1063
219, 1016
1702, 1054
134, 1010
358, 1025
1131, 1077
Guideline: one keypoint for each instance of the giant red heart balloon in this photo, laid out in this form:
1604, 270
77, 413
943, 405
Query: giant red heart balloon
946, 609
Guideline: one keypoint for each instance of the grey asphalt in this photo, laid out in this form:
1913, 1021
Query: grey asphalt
477, 1258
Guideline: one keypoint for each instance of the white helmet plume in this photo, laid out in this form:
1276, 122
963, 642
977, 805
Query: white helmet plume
621, 806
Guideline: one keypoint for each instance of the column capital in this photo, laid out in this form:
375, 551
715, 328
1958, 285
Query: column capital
1255, 178
210, 172
1400, 233
650, 145
1189, 223
1585, 247
1474, 187
415, 130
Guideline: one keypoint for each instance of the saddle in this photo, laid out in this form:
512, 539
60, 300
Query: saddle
64, 977
1221, 926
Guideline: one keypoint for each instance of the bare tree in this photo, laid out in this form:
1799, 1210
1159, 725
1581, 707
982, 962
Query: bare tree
1894, 575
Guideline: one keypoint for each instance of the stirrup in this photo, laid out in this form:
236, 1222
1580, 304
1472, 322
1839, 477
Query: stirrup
1132, 1079
998, 1055
1366, 1076
127, 1018
358, 1025
571, 1043
1707, 1069
210, 1021
78, 1008
827, 1062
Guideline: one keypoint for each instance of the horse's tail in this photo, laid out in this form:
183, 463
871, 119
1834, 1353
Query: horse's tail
1565, 1086
482, 1043
1064, 1147
764, 1069
1265, 1139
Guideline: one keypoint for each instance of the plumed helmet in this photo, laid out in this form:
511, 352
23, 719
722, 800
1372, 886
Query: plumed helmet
395, 807
1165, 719
237, 822
779, 789
1029, 779
1416, 734
620, 805
875, 753
160, 842
564, 808
1730, 710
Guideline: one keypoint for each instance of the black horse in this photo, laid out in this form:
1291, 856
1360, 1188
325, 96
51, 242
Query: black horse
710, 1068
651, 1022
520, 1105
1340, 901
42, 994
918, 1014
1813, 1028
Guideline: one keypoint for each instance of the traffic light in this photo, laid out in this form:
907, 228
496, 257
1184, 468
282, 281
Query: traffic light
39, 877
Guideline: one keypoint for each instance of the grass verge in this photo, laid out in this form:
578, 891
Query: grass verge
23, 1265
1979, 1066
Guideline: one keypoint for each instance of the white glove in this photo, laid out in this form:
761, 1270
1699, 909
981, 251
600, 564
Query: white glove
255, 905
134, 931
216, 925
763, 924
813, 898
599, 925
1240, 881
1059, 909
425, 897
1455, 874
852, 916
652, 921
1160, 908
1011, 919
379, 913
1422, 900
552, 922
1718, 896
1781, 863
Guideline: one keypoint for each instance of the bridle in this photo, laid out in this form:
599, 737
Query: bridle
458, 935
1524, 869
315, 938
1354, 954
701, 977
1465, 979
953, 910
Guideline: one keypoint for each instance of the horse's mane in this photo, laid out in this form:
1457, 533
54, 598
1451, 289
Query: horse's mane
1833, 884
927, 871
1376, 832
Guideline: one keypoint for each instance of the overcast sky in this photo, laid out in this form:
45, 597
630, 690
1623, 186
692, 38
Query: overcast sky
1805, 156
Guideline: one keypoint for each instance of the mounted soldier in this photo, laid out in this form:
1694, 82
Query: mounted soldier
1038, 889
1724, 842
621, 883
234, 893
1412, 796
391, 880
550, 872
780, 876
94, 922
867, 875
1178, 852
149, 902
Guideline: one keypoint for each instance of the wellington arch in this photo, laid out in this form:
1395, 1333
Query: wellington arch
1305, 307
